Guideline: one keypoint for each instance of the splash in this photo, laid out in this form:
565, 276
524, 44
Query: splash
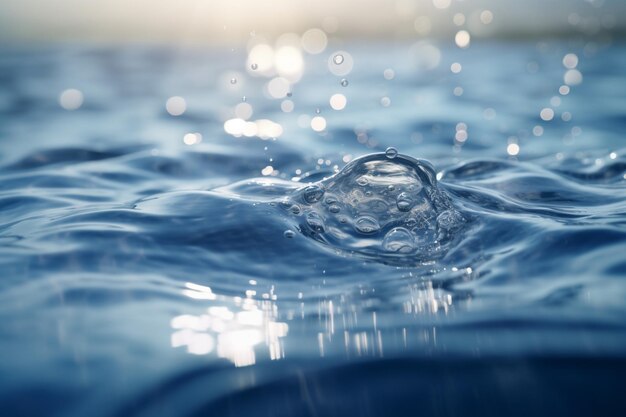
381, 206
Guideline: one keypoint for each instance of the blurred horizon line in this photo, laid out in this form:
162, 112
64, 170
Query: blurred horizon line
234, 21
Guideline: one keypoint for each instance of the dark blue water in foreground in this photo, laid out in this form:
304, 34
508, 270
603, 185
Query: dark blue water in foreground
142, 276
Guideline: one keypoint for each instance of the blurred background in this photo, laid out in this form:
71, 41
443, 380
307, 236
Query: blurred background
232, 21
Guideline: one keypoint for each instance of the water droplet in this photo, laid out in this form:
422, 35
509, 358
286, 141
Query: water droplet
330, 200
289, 234
399, 240
315, 222
366, 225
233, 81
334, 208
318, 111
404, 202
391, 152
362, 181
344, 82
391, 187
338, 59
313, 194
295, 209
244, 98
254, 66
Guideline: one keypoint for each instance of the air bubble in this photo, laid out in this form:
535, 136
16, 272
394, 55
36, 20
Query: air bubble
391, 152
399, 240
362, 181
338, 59
295, 209
254, 66
233, 81
313, 194
404, 202
334, 208
315, 222
289, 234
344, 82
366, 225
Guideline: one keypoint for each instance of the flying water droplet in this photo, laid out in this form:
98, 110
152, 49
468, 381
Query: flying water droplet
404, 202
254, 66
399, 240
391, 152
344, 82
233, 81
366, 225
338, 59
313, 194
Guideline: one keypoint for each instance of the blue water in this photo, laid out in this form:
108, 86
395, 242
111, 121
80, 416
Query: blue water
141, 276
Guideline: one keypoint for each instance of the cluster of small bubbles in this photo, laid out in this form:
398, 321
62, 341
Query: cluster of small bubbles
338, 59
313, 194
382, 206
344, 82
289, 234
391, 152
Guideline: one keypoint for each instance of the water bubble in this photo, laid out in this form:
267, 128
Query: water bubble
254, 66
318, 111
233, 81
391, 152
338, 59
289, 234
334, 208
344, 82
366, 225
315, 222
313, 194
404, 201
330, 200
362, 181
399, 240
295, 209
